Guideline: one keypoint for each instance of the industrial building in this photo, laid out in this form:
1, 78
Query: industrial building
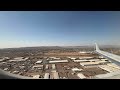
81, 60
72, 58
76, 69
39, 62
38, 66
36, 76
81, 76
47, 67
18, 59
58, 61
85, 57
92, 63
46, 76
55, 58
2, 59
82, 52
53, 66
5, 69
85, 60
55, 75
15, 72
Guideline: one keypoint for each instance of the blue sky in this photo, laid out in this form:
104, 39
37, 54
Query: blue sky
58, 28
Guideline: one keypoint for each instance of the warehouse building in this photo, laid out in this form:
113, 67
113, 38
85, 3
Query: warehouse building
36, 76
84, 60
81, 60
54, 75
39, 62
47, 67
58, 61
85, 57
53, 66
81, 76
2, 59
56, 58
46, 76
92, 63
76, 69
38, 66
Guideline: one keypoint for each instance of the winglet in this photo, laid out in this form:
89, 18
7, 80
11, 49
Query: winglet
96, 47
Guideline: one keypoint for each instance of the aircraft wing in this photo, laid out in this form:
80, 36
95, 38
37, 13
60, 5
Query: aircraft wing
112, 57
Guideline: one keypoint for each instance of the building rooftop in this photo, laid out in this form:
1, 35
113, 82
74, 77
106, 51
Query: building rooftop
81, 76
38, 62
58, 61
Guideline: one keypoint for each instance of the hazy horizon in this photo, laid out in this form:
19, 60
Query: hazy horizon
58, 28
101, 46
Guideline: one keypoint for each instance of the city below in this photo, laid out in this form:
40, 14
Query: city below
57, 62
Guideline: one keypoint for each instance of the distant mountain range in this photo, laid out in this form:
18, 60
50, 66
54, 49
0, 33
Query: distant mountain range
61, 47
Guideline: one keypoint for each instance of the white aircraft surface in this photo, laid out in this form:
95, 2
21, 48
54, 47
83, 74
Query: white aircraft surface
112, 57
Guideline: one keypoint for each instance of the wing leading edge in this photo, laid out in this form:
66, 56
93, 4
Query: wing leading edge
112, 57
